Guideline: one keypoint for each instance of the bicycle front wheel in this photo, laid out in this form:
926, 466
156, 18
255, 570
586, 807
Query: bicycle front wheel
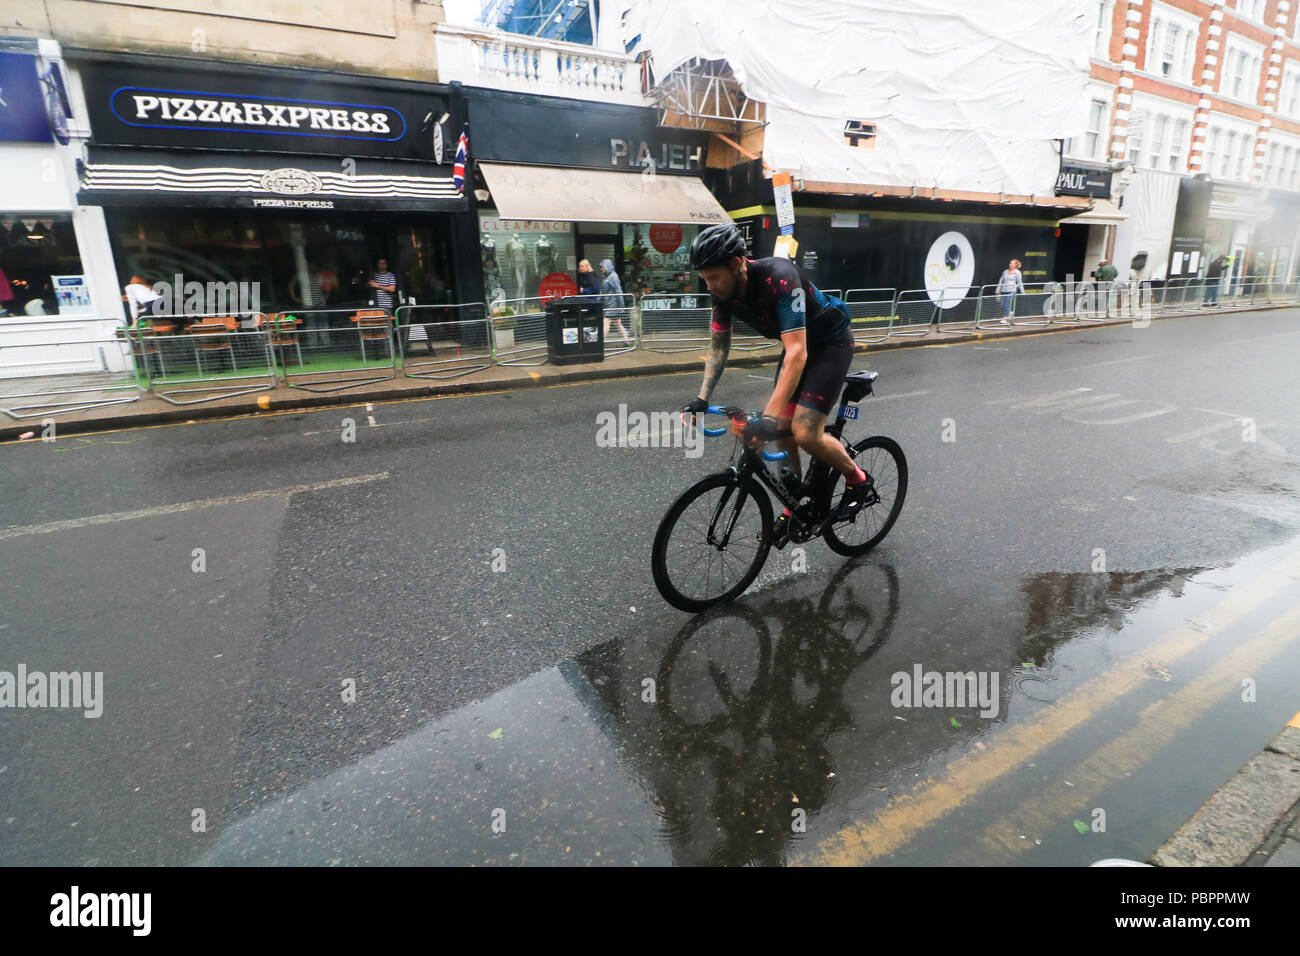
712, 542
883, 460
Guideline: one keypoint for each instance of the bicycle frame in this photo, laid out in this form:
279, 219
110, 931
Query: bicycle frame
816, 485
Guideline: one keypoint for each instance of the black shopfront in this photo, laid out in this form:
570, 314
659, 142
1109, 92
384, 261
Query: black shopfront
566, 181
863, 242
297, 180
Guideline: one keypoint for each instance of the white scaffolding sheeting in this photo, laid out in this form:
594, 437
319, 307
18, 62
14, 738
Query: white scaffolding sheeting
965, 96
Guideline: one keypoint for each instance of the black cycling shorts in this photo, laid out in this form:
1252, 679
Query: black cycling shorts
822, 381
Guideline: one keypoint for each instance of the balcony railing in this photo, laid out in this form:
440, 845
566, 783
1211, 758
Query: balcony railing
522, 64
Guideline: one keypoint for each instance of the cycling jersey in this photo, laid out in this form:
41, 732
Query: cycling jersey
771, 304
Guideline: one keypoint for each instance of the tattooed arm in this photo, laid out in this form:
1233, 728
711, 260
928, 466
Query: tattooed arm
716, 361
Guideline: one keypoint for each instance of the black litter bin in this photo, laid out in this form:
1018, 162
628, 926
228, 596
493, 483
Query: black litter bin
575, 332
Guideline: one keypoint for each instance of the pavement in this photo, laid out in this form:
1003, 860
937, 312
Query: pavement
1252, 820
153, 410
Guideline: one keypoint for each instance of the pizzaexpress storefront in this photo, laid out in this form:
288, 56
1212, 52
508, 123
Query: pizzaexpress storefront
298, 180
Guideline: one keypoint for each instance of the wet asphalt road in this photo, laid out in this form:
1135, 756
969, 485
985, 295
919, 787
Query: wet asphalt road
1113, 535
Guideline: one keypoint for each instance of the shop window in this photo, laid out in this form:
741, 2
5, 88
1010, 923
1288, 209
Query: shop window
657, 258
310, 263
517, 255
40, 266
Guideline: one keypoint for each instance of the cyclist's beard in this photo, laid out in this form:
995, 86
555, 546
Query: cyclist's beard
735, 290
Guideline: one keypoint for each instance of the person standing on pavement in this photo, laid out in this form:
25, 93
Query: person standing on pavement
1106, 275
1009, 283
588, 281
385, 285
1214, 276
612, 290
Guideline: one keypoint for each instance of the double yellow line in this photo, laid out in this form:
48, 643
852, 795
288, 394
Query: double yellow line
894, 827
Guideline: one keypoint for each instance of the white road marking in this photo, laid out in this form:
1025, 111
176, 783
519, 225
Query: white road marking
89, 520
1134, 358
1138, 358
885, 398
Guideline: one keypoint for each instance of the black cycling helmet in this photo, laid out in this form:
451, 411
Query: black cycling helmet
717, 245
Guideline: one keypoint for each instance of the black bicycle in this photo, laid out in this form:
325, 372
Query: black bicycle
713, 541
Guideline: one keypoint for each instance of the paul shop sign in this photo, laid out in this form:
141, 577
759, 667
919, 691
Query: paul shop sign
1083, 181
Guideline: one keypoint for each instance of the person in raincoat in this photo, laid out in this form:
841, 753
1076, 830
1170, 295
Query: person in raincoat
615, 307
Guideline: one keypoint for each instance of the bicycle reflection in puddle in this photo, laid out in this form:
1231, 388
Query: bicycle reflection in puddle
733, 742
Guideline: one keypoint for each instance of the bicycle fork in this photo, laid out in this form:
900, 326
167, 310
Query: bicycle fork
721, 545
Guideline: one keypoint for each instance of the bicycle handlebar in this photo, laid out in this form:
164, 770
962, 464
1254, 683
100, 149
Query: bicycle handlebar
733, 413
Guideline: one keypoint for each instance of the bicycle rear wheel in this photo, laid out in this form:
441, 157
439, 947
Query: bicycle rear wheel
712, 542
883, 460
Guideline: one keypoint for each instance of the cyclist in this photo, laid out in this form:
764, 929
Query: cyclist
772, 298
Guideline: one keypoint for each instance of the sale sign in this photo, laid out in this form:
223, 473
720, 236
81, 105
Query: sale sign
666, 238
557, 285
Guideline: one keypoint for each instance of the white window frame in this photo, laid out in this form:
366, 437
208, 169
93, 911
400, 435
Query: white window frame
1178, 138
1155, 146
1213, 140
1189, 26
1288, 102
1241, 59
1173, 112
1136, 147
1237, 154
1254, 10
1103, 31
1076, 146
1286, 163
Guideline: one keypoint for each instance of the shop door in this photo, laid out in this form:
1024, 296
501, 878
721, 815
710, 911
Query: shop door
595, 249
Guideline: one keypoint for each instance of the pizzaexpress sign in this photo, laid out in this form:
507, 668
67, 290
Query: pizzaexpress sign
173, 109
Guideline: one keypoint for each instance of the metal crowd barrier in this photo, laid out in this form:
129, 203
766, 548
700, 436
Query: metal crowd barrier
682, 322
957, 310
334, 343
210, 351
519, 331
914, 312
460, 333
79, 370
871, 307
1028, 308
675, 322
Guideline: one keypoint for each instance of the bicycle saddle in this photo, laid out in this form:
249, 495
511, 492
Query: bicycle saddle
857, 385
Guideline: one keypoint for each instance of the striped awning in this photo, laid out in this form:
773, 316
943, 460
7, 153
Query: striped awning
264, 181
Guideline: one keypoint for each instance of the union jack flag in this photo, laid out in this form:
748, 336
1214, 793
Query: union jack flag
462, 157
